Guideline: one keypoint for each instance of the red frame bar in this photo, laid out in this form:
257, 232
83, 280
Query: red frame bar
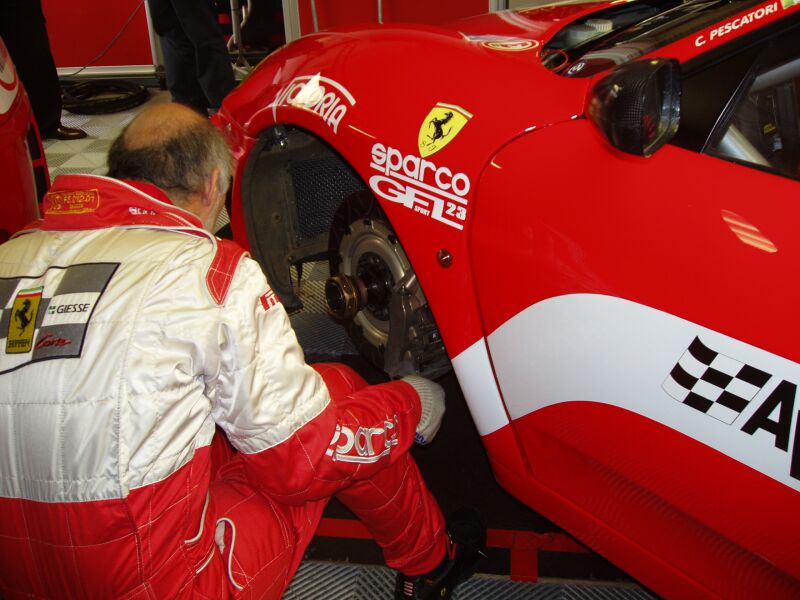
524, 545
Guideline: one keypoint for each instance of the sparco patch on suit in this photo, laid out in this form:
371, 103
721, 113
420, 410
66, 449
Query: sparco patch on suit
45, 316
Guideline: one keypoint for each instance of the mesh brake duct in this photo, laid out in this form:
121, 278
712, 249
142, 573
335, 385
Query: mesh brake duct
320, 184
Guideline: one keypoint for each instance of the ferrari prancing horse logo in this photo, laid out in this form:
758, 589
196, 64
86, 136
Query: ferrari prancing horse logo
442, 124
21, 327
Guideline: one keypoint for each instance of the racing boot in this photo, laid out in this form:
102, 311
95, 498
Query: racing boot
466, 544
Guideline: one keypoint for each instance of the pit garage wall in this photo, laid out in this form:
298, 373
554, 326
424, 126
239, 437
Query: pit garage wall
79, 30
307, 16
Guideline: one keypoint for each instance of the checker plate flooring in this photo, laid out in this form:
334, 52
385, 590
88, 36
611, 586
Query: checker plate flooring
316, 580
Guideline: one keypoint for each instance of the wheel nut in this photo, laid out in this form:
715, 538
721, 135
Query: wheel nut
342, 296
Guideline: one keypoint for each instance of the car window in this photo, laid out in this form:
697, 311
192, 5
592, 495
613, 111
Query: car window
764, 127
741, 101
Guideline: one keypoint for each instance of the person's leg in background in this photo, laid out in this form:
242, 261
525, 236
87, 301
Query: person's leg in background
180, 63
197, 61
23, 29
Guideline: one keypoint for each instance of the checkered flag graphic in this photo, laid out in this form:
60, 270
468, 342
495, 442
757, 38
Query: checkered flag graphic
713, 383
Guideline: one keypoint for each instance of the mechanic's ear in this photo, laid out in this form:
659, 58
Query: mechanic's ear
212, 188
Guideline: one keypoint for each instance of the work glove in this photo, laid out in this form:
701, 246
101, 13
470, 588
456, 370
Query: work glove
431, 399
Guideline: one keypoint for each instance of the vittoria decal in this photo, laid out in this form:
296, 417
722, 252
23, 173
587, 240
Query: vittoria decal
420, 185
269, 299
440, 127
364, 445
46, 316
321, 95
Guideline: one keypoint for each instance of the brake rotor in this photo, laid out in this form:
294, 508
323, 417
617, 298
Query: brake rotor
373, 260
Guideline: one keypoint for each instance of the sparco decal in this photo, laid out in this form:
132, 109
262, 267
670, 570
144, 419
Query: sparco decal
721, 31
321, 95
418, 184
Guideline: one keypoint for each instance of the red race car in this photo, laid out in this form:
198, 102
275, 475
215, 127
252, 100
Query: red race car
23, 167
589, 210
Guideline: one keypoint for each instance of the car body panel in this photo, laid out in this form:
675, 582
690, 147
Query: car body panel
364, 130
20, 146
580, 281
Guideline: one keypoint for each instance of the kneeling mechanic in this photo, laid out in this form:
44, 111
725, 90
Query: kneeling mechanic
162, 435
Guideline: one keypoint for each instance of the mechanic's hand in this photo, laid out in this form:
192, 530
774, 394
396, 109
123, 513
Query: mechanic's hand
431, 398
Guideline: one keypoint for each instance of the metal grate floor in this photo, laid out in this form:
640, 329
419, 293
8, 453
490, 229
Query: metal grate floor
316, 580
319, 334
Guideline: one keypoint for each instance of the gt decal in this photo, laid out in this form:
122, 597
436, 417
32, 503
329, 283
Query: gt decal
321, 95
365, 445
46, 316
733, 397
419, 185
443, 123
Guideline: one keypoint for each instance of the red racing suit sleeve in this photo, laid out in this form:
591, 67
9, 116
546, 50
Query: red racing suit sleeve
298, 440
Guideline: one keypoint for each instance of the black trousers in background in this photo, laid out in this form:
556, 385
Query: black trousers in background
197, 63
22, 27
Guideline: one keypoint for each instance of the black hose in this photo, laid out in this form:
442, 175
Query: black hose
100, 96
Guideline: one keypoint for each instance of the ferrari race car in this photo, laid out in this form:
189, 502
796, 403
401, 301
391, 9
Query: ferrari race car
589, 210
23, 167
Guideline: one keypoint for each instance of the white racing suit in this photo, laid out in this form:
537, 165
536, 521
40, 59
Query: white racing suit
128, 335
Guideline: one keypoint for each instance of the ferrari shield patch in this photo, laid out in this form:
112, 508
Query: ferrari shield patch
46, 316
442, 124
23, 320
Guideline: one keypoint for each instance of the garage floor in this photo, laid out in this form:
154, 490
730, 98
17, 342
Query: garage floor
342, 563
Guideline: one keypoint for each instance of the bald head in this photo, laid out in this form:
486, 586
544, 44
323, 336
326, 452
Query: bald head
160, 123
172, 147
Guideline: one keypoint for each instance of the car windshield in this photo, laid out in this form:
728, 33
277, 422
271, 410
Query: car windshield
628, 30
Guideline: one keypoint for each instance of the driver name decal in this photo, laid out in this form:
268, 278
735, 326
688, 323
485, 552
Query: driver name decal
420, 185
321, 95
713, 34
